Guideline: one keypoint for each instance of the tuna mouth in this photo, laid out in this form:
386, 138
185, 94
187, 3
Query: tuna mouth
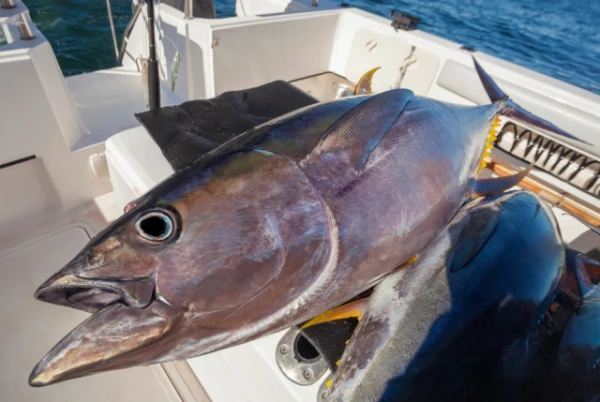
127, 317
92, 295
90, 298
117, 336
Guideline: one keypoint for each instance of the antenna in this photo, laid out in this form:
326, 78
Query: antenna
153, 78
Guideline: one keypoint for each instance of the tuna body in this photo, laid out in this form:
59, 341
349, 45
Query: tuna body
438, 331
270, 229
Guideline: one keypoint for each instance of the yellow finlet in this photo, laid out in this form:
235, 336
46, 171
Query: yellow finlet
338, 362
489, 143
363, 86
328, 383
353, 309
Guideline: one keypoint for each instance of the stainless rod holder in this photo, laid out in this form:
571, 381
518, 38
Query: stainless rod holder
7, 4
153, 75
24, 28
112, 28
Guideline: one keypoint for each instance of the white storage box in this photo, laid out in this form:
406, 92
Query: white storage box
135, 164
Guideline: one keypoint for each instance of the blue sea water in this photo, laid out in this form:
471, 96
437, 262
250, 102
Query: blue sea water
559, 38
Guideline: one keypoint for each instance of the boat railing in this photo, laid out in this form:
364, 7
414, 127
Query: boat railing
7, 4
112, 27
137, 7
24, 27
14, 18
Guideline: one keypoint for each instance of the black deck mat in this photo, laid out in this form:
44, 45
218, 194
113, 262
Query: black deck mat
188, 131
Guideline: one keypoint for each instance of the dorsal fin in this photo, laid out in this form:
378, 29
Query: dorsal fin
363, 86
358, 132
483, 187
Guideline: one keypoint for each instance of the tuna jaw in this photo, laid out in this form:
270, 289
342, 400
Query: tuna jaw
115, 337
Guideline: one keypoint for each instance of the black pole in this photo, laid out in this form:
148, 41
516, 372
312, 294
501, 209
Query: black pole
153, 78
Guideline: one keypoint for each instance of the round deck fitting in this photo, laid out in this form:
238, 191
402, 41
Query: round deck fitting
298, 360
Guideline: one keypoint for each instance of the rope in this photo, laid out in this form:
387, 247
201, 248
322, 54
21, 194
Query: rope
408, 61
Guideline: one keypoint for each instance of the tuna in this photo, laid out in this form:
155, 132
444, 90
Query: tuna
272, 228
562, 361
437, 331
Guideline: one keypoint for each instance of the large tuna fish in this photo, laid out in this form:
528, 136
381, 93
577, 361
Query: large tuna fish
436, 331
563, 353
272, 228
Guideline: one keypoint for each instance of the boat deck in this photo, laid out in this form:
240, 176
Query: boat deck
323, 52
32, 251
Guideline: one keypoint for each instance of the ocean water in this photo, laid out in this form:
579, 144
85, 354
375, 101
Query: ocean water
559, 38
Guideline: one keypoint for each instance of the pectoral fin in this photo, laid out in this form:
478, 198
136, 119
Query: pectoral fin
483, 187
330, 332
350, 310
478, 229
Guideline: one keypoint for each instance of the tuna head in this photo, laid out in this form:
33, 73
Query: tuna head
208, 259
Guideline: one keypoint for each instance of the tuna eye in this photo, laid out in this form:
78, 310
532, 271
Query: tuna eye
155, 226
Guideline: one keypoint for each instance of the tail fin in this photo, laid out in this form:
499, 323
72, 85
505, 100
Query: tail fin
491, 88
512, 109
363, 86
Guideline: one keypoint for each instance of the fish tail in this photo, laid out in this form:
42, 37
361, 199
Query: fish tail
511, 109
363, 86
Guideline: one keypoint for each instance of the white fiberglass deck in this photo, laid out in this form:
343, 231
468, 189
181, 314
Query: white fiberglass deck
30, 253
